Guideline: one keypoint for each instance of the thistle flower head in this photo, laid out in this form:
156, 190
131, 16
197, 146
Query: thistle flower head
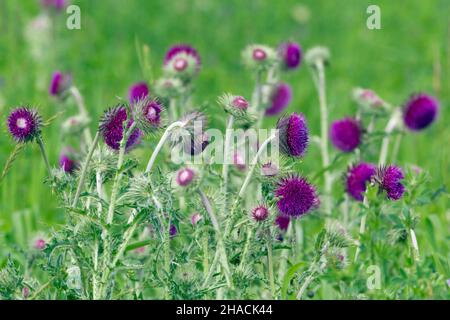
260, 213
40, 244
390, 180
280, 98
195, 218
269, 169
182, 61
258, 56
60, 83
112, 127
168, 87
291, 54
236, 106
297, 196
293, 135
282, 222
138, 91
357, 178
346, 134
173, 231
67, 160
75, 124
185, 176
24, 124
147, 114
316, 55
367, 98
420, 111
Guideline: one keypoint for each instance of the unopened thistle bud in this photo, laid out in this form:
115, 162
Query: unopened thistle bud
260, 213
259, 57
367, 98
75, 124
317, 55
182, 61
185, 176
195, 218
168, 87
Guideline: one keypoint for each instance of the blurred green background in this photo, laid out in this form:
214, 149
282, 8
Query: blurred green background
409, 54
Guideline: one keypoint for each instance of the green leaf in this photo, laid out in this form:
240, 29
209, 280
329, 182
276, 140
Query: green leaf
288, 277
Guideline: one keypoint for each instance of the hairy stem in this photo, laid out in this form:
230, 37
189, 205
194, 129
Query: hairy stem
270, 266
44, 154
226, 159
82, 109
362, 229
391, 125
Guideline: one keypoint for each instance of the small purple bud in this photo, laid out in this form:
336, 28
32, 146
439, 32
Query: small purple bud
345, 134
260, 213
60, 83
239, 102
280, 99
185, 177
420, 112
291, 54
67, 161
25, 292
138, 91
239, 161
172, 231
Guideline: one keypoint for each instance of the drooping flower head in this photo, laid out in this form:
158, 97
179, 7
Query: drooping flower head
297, 196
111, 127
280, 98
345, 134
182, 60
24, 124
293, 135
291, 54
357, 179
60, 83
420, 111
282, 222
185, 176
67, 160
390, 180
138, 91
260, 213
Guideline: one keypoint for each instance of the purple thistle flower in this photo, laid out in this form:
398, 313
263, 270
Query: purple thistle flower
260, 213
259, 54
297, 196
152, 113
40, 244
111, 127
345, 134
67, 161
282, 221
420, 111
240, 103
172, 231
60, 83
357, 178
291, 53
390, 180
24, 124
280, 99
25, 292
138, 91
56, 4
293, 135
182, 48
185, 177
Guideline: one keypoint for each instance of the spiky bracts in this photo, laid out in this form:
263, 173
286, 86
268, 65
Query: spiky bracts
346, 134
357, 179
293, 135
260, 213
297, 196
24, 124
420, 111
182, 61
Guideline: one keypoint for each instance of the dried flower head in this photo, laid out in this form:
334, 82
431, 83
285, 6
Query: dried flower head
346, 134
293, 135
420, 111
24, 124
297, 196
291, 54
357, 178
112, 127
260, 213
390, 180
280, 98
59, 84
138, 91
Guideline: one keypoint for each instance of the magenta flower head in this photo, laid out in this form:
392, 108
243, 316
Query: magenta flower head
291, 54
111, 127
185, 177
282, 222
24, 124
40, 244
293, 135
60, 83
182, 60
390, 180
260, 213
67, 161
357, 179
173, 231
420, 111
346, 134
297, 196
280, 98
138, 91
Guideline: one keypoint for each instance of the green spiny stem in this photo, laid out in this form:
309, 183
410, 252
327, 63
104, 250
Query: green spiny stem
161, 142
221, 247
246, 248
226, 159
82, 109
44, 154
362, 228
270, 266
205, 247
394, 121
84, 169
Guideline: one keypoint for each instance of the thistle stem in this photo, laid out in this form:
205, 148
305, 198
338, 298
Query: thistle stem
391, 125
305, 285
246, 247
44, 154
270, 267
84, 169
362, 229
161, 142
82, 109
226, 159
414, 244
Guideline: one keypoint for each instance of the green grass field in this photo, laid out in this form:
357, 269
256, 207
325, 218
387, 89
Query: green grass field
411, 53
